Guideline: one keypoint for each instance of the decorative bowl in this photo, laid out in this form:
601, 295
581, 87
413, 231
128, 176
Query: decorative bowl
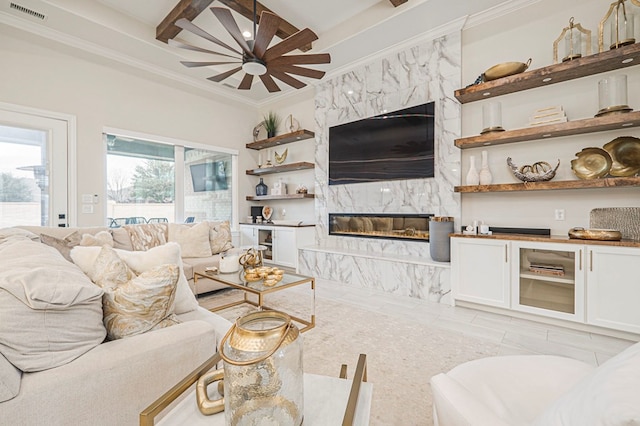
625, 155
592, 163
505, 69
595, 234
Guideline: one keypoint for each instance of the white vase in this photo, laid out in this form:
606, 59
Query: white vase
485, 173
473, 177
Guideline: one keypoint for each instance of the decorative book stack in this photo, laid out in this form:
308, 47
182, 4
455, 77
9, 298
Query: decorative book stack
549, 115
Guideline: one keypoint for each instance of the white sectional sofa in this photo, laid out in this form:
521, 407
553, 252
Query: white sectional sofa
56, 368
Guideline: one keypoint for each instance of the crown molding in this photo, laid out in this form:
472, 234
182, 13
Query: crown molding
497, 11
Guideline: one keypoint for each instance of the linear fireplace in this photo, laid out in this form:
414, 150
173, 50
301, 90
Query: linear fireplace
413, 227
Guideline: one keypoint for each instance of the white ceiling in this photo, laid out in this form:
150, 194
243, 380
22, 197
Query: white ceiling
123, 32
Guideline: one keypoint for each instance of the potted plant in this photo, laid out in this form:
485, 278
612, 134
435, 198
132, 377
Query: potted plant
271, 123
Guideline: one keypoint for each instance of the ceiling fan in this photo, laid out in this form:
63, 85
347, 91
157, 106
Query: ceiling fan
255, 57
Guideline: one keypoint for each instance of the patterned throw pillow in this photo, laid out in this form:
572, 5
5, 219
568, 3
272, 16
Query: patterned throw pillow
220, 237
64, 245
146, 236
134, 304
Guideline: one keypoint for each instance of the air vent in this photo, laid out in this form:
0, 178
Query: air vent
28, 11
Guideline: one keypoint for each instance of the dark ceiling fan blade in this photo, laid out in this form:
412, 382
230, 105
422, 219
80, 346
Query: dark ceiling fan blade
292, 69
245, 84
190, 64
185, 24
298, 39
319, 58
293, 82
269, 24
187, 46
269, 83
226, 19
218, 78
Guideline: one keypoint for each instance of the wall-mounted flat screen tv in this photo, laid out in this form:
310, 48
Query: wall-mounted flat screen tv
211, 176
389, 146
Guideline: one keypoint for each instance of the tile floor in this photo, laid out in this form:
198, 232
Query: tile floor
515, 335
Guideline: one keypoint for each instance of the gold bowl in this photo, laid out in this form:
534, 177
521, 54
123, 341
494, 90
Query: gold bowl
595, 234
592, 163
505, 69
625, 155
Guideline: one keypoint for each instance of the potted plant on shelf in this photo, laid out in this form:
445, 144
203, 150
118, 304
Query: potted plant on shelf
271, 123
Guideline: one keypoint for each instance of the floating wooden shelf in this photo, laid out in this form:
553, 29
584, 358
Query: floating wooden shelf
589, 65
539, 186
575, 127
281, 169
278, 197
281, 139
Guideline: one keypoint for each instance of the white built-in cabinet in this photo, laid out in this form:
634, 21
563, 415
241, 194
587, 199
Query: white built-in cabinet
481, 273
281, 242
613, 287
598, 284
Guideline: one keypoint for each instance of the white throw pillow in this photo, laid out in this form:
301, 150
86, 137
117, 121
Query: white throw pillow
50, 312
132, 304
194, 240
99, 239
141, 261
608, 396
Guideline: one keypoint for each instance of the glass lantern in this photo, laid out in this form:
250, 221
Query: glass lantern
620, 25
573, 41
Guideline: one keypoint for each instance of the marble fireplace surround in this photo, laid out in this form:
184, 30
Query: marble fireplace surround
428, 71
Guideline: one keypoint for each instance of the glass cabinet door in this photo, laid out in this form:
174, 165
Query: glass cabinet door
549, 280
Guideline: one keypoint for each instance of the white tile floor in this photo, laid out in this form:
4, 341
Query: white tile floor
515, 335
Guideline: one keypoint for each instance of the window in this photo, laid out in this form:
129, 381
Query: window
167, 181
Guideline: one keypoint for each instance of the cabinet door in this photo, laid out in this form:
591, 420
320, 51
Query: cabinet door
285, 249
248, 235
613, 287
548, 279
480, 271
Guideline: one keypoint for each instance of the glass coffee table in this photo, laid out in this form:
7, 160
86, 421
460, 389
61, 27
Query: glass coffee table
236, 280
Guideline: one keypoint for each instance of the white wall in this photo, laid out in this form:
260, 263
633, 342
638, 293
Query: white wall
42, 75
530, 33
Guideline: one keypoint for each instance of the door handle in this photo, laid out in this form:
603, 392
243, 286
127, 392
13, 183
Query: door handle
591, 260
581, 259
506, 253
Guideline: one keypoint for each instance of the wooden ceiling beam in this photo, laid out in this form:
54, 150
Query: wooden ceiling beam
397, 3
188, 9
245, 8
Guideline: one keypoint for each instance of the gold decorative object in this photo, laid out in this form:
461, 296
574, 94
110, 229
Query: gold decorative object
540, 171
618, 23
251, 258
573, 41
292, 124
592, 163
625, 156
505, 69
280, 158
595, 234
256, 131
263, 378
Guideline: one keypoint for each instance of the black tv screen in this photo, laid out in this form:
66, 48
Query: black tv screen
389, 146
209, 176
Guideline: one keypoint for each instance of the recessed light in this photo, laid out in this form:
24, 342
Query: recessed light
548, 135
628, 60
627, 124
349, 92
546, 80
486, 94
486, 143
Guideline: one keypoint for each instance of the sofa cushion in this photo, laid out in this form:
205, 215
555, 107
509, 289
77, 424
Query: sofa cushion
134, 304
193, 240
51, 312
146, 236
141, 261
220, 237
9, 379
610, 395
63, 245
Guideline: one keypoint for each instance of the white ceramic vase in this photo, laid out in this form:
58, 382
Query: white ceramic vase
473, 177
485, 174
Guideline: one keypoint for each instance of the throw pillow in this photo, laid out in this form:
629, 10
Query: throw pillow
51, 312
220, 237
193, 240
63, 245
607, 396
132, 304
141, 261
146, 236
99, 239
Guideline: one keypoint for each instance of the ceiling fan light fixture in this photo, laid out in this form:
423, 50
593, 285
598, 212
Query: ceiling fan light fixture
254, 66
